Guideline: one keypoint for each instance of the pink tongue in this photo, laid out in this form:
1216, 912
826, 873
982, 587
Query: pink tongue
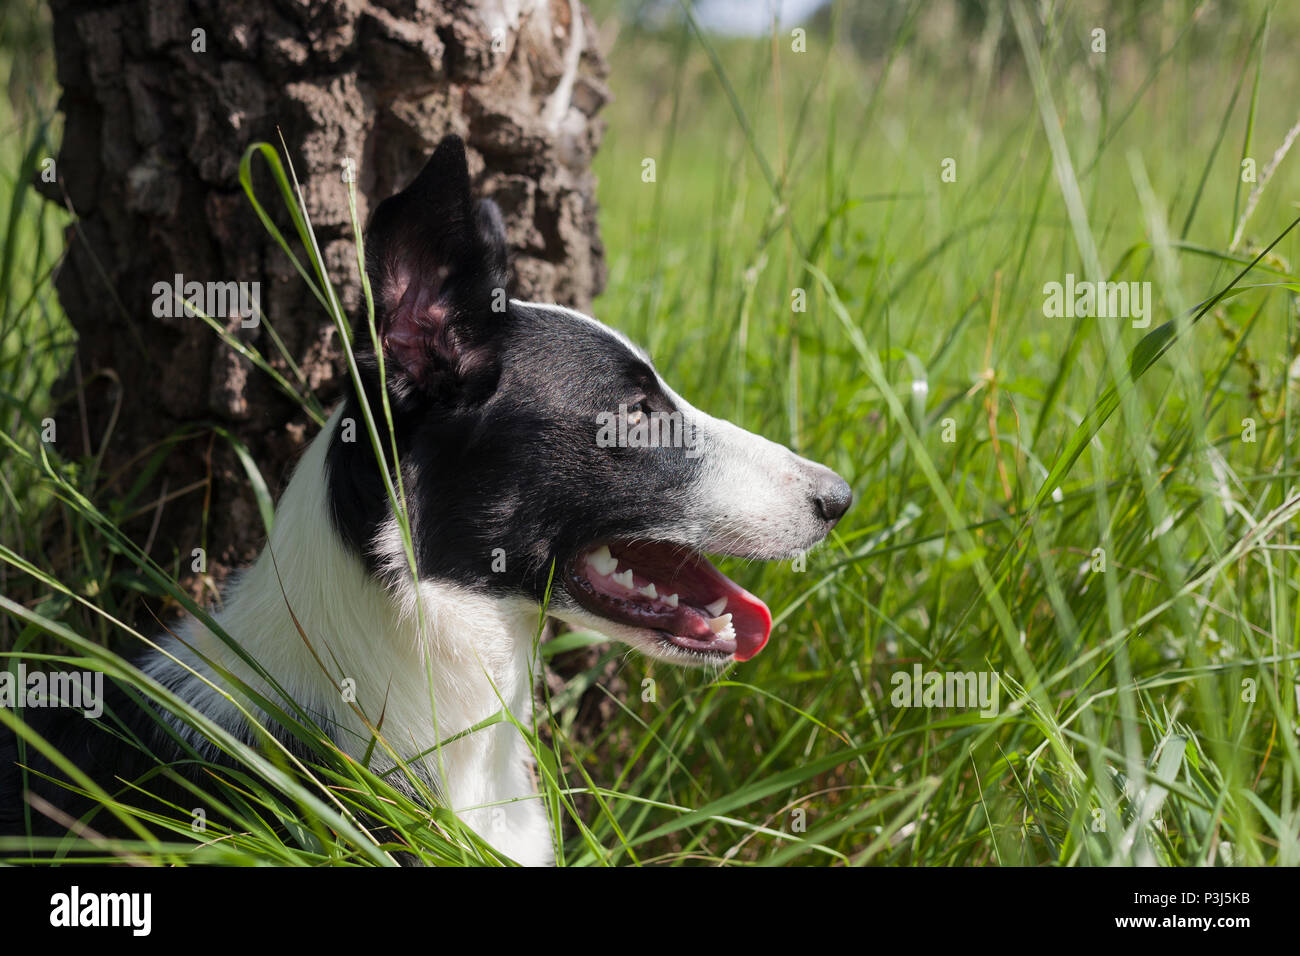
752, 621
698, 584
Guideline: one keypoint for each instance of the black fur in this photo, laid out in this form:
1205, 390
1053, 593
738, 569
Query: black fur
496, 417
131, 751
495, 408
127, 744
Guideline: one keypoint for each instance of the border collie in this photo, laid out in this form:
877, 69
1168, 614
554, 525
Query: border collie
530, 464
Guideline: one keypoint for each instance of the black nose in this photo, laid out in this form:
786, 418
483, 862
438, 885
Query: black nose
833, 498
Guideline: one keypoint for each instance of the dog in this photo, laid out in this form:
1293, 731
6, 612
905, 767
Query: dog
534, 478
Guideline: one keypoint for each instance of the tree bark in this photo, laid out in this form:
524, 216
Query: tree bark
162, 97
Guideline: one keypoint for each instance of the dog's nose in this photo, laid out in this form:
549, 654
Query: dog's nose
832, 498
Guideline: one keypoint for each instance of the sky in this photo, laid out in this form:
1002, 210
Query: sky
749, 17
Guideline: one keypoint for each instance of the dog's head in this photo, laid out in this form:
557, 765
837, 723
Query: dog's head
540, 448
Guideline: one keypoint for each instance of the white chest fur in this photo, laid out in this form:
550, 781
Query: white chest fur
431, 679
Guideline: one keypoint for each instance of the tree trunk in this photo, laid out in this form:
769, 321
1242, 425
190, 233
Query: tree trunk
162, 97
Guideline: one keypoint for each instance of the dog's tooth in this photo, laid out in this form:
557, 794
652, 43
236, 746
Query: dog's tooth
602, 560
717, 607
649, 590
718, 624
624, 579
670, 600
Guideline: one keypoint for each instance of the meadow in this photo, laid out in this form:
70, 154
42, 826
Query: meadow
851, 251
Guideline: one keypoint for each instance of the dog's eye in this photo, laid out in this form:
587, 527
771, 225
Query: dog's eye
635, 414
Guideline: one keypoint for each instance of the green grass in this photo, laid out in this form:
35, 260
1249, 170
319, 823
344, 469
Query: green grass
1147, 711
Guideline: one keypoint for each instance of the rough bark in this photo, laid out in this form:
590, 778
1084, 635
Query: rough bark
154, 132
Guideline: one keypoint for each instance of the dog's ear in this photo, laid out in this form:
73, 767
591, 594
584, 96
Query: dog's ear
437, 265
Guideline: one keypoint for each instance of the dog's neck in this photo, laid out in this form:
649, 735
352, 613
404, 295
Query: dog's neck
432, 661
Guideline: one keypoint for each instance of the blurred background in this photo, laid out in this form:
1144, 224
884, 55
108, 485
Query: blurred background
918, 172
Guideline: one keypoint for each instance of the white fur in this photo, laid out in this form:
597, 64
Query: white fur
565, 311
754, 498
472, 649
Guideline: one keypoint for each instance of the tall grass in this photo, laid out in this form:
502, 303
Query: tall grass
1071, 504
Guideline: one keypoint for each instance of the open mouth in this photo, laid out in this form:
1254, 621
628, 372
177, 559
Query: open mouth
673, 591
